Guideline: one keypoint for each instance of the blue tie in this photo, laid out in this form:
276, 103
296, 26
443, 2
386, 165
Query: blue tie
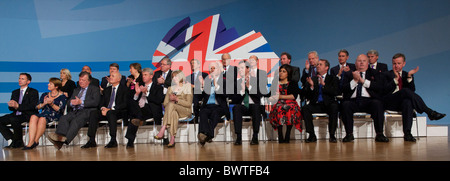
111, 99
320, 99
359, 88
212, 97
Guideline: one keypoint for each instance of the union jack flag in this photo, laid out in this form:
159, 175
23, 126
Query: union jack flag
207, 41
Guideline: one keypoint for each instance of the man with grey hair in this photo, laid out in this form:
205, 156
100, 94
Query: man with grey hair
163, 76
373, 62
113, 106
146, 103
310, 66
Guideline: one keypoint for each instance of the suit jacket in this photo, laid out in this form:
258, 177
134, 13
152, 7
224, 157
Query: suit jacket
258, 88
229, 80
168, 80
92, 99
335, 70
389, 83
221, 97
375, 89
381, 67
121, 99
197, 89
329, 91
30, 100
306, 74
156, 95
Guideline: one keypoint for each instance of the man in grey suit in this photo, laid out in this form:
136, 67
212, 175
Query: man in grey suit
84, 100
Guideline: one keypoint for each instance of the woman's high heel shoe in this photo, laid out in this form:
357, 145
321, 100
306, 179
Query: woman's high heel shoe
171, 145
158, 138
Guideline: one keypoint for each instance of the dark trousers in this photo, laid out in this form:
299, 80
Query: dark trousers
331, 109
16, 124
406, 101
196, 106
372, 106
210, 115
112, 116
148, 111
240, 110
72, 122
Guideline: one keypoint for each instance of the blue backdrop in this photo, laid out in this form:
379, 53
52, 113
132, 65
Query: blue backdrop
43, 36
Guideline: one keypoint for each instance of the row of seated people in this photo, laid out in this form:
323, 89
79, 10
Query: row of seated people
141, 98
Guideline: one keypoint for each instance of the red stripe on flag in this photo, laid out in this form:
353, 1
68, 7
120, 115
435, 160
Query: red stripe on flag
240, 43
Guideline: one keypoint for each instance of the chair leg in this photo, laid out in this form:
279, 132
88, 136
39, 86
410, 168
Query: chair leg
417, 128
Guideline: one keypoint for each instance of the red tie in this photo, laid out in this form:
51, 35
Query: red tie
400, 83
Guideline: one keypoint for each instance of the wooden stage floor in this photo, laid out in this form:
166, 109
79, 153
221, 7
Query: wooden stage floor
425, 149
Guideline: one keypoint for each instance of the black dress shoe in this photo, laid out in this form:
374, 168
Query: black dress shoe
409, 137
254, 141
348, 138
333, 139
130, 144
34, 145
89, 144
312, 138
381, 138
434, 116
238, 141
111, 144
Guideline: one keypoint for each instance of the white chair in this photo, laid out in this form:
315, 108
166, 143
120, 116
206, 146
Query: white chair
364, 115
398, 114
119, 121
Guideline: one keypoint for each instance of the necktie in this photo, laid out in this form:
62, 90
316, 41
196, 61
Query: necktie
212, 97
320, 98
359, 88
400, 83
20, 101
246, 98
112, 98
142, 100
80, 94
372, 66
313, 72
164, 76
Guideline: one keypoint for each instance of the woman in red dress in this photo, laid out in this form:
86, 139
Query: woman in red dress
286, 110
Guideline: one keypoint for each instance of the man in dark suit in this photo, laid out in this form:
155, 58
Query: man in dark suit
362, 92
94, 81
285, 58
23, 103
113, 106
194, 80
114, 67
229, 76
247, 99
84, 100
310, 66
214, 103
148, 100
163, 76
321, 91
342, 68
399, 95
373, 62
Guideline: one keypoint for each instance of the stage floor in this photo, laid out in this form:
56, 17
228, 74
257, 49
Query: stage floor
425, 149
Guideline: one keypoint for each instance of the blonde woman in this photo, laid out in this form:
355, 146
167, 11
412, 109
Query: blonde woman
67, 84
177, 104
